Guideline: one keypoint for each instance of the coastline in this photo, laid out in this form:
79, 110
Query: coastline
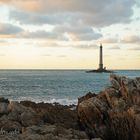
112, 114
39, 121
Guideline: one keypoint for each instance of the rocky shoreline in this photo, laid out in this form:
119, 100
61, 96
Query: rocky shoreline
27, 120
113, 114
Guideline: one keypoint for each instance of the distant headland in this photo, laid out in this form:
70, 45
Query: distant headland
101, 68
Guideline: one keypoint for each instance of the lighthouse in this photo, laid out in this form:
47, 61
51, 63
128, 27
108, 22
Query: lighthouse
100, 68
101, 58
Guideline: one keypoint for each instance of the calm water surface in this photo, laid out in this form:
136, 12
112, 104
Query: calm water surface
63, 86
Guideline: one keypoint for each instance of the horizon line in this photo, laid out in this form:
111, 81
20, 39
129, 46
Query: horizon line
61, 69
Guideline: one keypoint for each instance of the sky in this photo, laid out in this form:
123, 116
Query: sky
66, 34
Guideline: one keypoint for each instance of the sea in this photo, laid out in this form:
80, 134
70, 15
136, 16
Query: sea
51, 86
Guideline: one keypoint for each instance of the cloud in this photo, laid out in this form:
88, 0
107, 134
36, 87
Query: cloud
5, 1
71, 19
44, 55
49, 55
86, 46
90, 12
38, 19
135, 48
61, 56
2, 54
81, 46
9, 29
47, 44
12, 31
42, 35
64, 33
131, 39
114, 47
3, 41
58, 44
79, 33
31, 5
109, 40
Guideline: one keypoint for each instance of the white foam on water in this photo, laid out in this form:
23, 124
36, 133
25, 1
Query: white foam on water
64, 101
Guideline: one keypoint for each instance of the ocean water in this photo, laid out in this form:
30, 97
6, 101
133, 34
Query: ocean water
62, 86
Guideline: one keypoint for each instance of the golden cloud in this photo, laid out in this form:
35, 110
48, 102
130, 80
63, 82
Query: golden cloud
130, 39
30, 5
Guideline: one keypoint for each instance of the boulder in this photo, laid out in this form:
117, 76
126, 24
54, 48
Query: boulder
3, 100
87, 96
114, 114
29, 118
3, 108
3, 105
14, 106
25, 115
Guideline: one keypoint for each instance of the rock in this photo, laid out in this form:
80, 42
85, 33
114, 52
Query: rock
96, 139
115, 81
115, 112
3, 107
25, 115
3, 100
44, 132
93, 109
87, 96
9, 125
40, 121
55, 114
14, 106
32, 137
29, 118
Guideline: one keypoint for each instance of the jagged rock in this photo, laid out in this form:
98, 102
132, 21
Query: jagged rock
87, 96
114, 114
115, 81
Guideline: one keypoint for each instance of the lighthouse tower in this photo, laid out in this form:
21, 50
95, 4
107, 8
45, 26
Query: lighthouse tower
101, 68
101, 58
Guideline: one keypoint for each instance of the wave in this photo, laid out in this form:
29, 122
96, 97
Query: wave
64, 101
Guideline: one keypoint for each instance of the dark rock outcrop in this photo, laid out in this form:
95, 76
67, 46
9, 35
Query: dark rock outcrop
114, 114
65, 116
31, 121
